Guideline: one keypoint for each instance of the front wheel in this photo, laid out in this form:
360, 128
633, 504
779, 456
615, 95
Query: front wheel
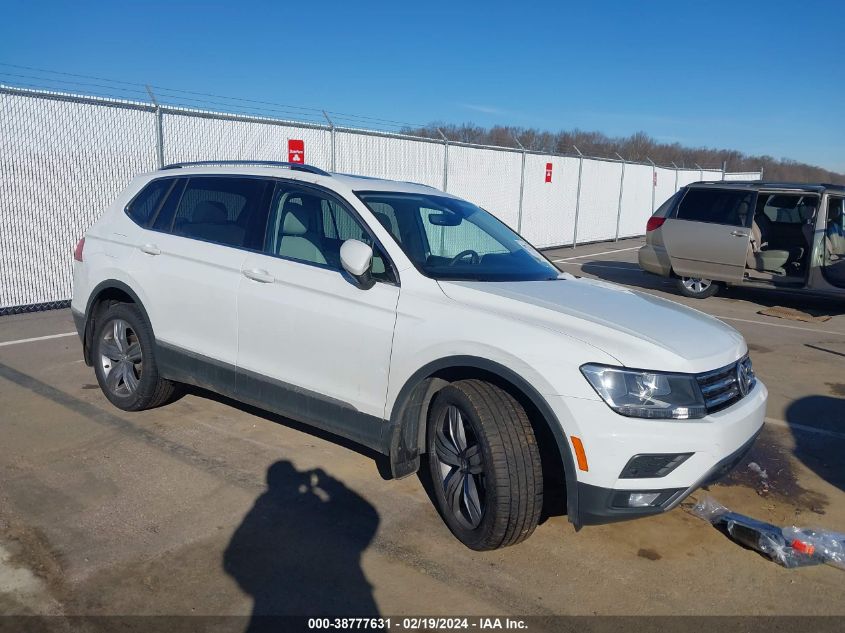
485, 465
696, 287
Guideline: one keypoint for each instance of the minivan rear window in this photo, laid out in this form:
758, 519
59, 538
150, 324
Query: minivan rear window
717, 206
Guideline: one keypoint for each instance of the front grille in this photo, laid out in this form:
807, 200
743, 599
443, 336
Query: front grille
722, 387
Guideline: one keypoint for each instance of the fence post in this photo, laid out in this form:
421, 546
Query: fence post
577, 197
159, 128
621, 189
676, 176
700, 171
724, 168
332, 131
445, 159
762, 167
521, 187
653, 181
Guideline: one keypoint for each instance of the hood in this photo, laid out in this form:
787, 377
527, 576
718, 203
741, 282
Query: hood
638, 329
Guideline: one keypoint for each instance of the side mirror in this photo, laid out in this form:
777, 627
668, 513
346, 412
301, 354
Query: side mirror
357, 259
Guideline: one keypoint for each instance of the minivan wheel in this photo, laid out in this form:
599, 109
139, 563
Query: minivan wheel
696, 287
124, 360
485, 465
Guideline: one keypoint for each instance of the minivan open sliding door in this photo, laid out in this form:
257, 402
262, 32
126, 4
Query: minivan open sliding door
710, 233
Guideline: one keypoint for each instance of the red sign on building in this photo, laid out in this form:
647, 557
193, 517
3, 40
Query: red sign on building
296, 150
548, 172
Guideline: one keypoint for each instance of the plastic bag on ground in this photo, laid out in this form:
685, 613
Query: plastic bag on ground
824, 544
765, 538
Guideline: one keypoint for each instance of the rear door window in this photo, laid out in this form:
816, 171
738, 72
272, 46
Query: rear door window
224, 210
717, 206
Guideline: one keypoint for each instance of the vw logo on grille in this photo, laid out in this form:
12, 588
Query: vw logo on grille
744, 377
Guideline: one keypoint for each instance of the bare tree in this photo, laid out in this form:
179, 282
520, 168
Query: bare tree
636, 147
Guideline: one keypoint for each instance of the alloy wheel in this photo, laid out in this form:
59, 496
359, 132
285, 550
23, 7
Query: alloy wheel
696, 285
461, 467
121, 358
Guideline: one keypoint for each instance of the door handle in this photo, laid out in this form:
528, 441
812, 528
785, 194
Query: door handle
739, 234
259, 275
151, 249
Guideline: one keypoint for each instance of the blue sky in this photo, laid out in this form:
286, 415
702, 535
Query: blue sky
764, 78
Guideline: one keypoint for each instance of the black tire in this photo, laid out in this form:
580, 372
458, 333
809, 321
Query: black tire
696, 287
150, 390
508, 478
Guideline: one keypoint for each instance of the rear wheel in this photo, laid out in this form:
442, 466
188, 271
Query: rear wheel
696, 287
124, 360
485, 465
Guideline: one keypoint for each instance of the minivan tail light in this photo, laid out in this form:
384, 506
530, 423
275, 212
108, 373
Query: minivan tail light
77, 252
654, 222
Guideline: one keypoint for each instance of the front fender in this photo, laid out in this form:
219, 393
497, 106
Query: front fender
408, 418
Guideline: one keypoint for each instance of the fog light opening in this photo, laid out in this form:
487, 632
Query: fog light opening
642, 499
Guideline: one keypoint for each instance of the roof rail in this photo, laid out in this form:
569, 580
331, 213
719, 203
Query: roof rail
262, 163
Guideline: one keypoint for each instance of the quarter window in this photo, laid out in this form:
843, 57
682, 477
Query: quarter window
664, 209
717, 206
145, 204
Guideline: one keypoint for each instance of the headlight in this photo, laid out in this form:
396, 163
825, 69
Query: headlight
643, 394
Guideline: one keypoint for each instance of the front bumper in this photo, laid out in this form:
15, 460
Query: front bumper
598, 505
710, 446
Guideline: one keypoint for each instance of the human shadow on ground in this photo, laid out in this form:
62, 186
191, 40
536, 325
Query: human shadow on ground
820, 452
298, 551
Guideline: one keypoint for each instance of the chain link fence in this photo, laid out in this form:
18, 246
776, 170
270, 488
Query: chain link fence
65, 157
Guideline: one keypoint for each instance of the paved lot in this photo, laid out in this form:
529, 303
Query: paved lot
209, 507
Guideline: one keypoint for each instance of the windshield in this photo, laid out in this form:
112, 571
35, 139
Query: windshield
447, 238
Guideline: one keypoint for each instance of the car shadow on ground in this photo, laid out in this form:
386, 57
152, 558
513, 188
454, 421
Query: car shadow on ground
298, 550
630, 274
626, 273
821, 453
382, 462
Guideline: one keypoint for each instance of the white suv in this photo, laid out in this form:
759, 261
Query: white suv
412, 322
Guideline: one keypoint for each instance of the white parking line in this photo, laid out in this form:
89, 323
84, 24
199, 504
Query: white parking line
592, 265
788, 327
803, 428
37, 338
618, 250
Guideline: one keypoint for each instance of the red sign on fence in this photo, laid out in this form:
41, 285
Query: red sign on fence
296, 150
548, 172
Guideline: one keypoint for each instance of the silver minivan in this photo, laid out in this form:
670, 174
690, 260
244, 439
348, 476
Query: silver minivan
767, 235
